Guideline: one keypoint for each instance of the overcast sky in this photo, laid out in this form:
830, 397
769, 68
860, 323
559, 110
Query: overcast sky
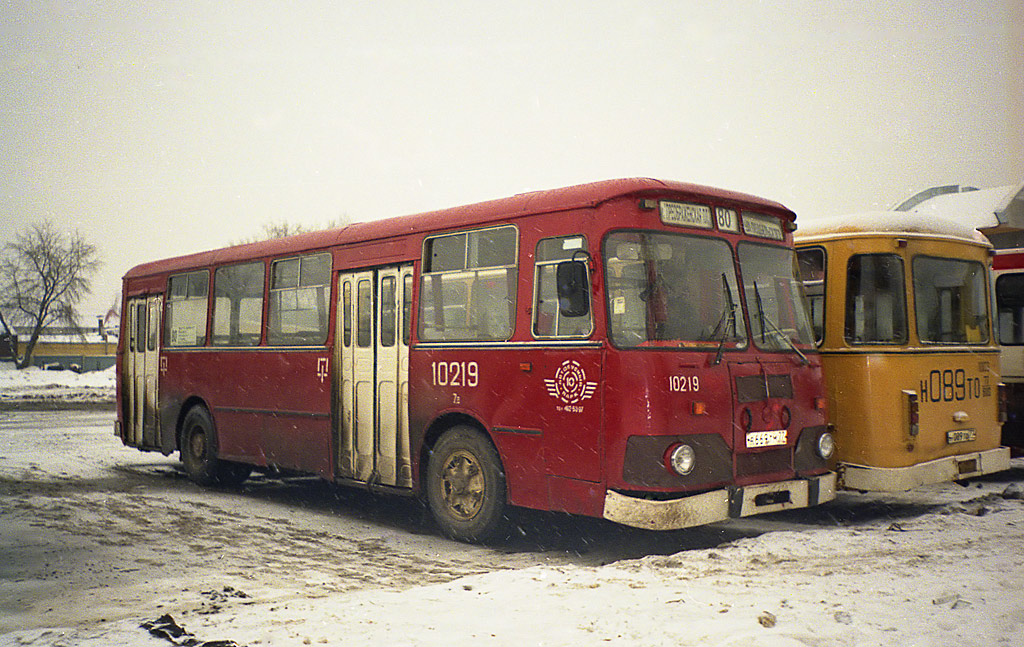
164, 128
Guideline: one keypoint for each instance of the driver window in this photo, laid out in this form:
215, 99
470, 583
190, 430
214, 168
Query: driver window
548, 320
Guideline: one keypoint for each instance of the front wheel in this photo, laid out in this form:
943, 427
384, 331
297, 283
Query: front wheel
466, 486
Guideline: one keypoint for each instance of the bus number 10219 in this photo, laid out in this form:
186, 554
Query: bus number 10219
684, 383
455, 373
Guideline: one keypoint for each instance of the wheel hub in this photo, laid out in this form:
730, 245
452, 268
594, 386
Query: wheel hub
463, 485
197, 444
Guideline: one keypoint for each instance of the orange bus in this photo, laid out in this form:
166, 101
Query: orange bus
902, 316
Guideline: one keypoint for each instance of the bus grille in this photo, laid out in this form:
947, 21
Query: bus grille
776, 460
753, 388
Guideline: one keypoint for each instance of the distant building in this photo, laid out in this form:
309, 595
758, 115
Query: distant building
997, 212
88, 349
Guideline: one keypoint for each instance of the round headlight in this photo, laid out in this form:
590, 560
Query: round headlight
826, 445
682, 459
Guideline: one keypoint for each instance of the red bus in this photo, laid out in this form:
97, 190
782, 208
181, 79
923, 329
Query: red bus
1008, 266
634, 349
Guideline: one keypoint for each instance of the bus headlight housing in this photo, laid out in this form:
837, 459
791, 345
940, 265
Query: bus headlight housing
826, 445
682, 459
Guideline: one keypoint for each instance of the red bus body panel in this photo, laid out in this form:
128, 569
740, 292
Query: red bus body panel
298, 435
1005, 263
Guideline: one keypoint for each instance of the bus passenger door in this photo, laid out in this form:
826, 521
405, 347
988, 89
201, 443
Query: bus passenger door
392, 459
355, 436
142, 370
373, 359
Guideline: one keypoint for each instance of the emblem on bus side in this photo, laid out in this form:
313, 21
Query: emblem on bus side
570, 384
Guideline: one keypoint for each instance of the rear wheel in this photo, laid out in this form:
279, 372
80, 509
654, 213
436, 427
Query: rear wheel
466, 486
199, 452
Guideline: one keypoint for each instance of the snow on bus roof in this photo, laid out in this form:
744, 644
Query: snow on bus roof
482, 213
888, 222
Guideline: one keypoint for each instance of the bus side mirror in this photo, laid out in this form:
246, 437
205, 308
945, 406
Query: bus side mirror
573, 292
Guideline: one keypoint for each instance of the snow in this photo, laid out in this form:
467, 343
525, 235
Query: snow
85, 337
129, 541
38, 385
862, 586
888, 222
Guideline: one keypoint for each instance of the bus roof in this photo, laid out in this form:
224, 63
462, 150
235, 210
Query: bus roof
538, 202
887, 223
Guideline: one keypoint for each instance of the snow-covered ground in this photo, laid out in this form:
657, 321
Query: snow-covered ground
97, 540
38, 386
949, 577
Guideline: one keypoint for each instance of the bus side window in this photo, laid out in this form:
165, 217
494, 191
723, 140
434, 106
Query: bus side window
812, 275
468, 288
185, 323
1010, 304
550, 320
298, 301
876, 310
238, 305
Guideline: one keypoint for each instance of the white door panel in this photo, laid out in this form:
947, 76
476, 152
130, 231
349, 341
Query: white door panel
141, 369
373, 439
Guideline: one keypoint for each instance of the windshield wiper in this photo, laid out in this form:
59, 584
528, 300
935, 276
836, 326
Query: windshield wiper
729, 314
775, 329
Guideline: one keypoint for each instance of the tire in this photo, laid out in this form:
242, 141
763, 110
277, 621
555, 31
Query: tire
199, 452
466, 487
232, 474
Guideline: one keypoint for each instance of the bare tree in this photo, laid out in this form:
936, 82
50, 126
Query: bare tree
283, 229
44, 274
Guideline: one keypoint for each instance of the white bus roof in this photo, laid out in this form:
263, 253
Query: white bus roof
888, 223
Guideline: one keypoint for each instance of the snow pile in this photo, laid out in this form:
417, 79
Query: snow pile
34, 385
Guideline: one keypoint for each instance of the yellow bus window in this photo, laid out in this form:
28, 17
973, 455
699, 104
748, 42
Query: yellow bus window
876, 310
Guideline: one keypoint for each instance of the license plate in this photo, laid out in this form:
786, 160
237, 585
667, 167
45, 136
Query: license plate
766, 438
961, 436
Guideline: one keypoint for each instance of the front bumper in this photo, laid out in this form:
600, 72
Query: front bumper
718, 505
942, 470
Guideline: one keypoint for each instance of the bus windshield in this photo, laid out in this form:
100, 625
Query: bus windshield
672, 290
778, 312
